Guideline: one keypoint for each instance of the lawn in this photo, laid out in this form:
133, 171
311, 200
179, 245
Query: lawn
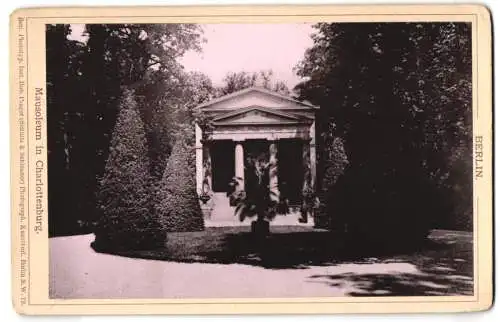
443, 265
286, 247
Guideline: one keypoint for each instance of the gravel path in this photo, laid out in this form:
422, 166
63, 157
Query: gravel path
76, 271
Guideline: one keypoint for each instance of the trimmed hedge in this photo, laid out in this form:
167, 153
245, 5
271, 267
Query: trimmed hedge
129, 239
127, 220
177, 205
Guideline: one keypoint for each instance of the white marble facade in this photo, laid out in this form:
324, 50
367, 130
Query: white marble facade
255, 114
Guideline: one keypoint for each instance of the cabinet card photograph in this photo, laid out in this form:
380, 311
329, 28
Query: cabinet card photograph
262, 159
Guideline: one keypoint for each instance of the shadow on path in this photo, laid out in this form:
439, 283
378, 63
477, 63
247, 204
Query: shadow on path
279, 250
441, 266
447, 270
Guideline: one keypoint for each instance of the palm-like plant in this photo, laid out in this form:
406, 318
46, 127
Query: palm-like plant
258, 199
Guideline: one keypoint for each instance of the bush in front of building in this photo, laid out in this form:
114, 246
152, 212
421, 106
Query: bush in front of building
331, 166
126, 218
177, 205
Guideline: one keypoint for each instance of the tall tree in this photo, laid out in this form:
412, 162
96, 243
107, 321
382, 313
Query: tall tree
64, 121
168, 106
84, 88
236, 81
377, 87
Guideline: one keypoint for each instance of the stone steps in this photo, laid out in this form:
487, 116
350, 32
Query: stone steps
222, 215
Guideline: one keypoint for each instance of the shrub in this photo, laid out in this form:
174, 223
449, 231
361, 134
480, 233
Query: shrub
177, 205
332, 165
124, 197
380, 210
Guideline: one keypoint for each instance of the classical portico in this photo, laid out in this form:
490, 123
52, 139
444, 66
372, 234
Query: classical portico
257, 122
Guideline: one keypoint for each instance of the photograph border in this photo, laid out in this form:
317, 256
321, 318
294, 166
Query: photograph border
30, 244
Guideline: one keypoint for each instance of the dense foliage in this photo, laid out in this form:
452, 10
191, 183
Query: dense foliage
177, 205
85, 74
334, 161
66, 164
399, 96
124, 196
236, 81
393, 129
258, 200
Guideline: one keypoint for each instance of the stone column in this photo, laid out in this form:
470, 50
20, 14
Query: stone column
206, 196
306, 185
199, 159
312, 152
273, 171
207, 169
239, 164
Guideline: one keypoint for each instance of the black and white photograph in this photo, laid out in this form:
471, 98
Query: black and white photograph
273, 160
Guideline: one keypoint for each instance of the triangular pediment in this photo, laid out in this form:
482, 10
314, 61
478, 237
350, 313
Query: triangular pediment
256, 115
255, 96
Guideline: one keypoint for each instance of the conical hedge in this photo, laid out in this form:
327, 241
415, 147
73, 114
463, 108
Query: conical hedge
177, 205
127, 219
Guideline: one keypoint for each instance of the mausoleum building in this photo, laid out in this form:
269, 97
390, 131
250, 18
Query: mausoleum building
256, 122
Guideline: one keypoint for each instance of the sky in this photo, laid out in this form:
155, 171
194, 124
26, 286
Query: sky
251, 48
246, 47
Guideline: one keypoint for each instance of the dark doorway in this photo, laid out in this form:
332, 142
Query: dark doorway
255, 151
222, 153
290, 170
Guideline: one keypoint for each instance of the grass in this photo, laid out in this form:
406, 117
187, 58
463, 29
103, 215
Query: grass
228, 245
292, 247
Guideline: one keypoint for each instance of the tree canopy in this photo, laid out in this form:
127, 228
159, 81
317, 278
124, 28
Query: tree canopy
84, 85
235, 81
399, 97
394, 125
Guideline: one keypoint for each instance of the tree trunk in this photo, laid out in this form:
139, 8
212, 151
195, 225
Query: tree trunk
260, 227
